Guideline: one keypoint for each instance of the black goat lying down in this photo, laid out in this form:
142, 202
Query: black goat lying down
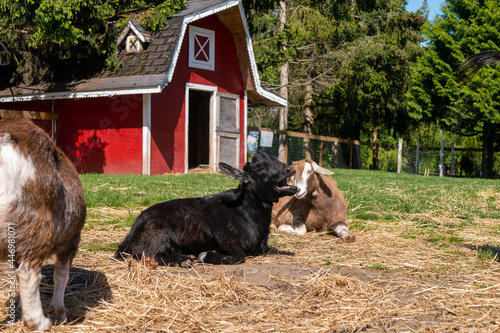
221, 228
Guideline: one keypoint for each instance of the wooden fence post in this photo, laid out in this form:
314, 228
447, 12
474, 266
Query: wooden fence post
286, 149
334, 154
417, 157
53, 122
282, 141
350, 155
452, 166
321, 153
400, 154
441, 159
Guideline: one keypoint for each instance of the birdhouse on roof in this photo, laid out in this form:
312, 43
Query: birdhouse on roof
134, 38
4, 55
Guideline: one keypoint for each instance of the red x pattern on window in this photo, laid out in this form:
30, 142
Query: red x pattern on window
201, 48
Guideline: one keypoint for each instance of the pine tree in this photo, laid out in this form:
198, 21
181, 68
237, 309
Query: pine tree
349, 64
466, 27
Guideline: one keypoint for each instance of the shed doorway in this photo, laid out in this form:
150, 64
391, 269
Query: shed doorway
199, 130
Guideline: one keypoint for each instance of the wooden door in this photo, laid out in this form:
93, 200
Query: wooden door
228, 129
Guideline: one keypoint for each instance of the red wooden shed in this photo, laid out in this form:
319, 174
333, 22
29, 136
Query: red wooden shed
179, 101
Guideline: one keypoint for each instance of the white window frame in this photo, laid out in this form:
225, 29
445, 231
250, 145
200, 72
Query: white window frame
3, 50
139, 46
7, 59
210, 34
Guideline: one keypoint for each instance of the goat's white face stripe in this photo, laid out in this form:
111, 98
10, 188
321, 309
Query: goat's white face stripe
300, 180
15, 171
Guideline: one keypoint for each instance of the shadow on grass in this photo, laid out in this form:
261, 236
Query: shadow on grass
275, 251
487, 252
85, 290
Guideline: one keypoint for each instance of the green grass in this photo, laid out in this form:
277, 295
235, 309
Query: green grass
378, 267
132, 191
437, 208
376, 194
371, 195
487, 254
96, 247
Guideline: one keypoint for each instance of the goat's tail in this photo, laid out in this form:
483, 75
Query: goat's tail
123, 248
476, 62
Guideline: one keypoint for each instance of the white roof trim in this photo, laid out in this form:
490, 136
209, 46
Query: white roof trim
137, 32
76, 95
253, 65
144, 38
188, 19
5, 48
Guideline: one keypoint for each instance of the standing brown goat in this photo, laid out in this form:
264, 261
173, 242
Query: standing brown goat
42, 212
318, 204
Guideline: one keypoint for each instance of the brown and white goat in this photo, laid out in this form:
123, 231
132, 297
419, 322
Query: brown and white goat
318, 204
42, 211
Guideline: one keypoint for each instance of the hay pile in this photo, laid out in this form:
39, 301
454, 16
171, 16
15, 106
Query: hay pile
384, 282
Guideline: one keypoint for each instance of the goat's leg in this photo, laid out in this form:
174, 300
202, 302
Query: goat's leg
341, 230
298, 227
57, 310
288, 229
217, 258
231, 253
29, 292
173, 259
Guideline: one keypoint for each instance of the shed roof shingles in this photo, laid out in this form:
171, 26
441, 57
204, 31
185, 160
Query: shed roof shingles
160, 52
164, 41
144, 69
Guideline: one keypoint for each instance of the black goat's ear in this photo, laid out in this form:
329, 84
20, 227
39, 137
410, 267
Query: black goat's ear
231, 172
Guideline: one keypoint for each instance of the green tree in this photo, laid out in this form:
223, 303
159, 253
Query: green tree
349, 64
52, 39
465, 28
375, 71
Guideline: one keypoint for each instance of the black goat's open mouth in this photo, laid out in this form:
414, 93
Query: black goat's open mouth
284, 186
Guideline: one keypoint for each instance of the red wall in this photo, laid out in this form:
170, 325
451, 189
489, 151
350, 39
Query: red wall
99, 135
102, 135
168, 108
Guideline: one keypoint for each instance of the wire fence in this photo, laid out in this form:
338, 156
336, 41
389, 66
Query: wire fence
456, 162
326, 151
353, 154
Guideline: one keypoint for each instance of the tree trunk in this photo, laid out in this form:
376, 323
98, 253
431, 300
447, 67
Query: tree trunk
308, 118
283, 122
375, 146
375, 122
487, 154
